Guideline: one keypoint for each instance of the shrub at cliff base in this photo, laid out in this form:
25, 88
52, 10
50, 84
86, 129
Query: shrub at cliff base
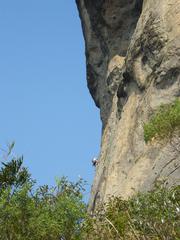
153, 215
164, 122
44, 213
58, 213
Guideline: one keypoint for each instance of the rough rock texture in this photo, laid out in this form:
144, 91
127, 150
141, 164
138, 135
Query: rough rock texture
133, 66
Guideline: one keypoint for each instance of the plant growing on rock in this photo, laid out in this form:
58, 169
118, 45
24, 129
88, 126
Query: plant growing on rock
164, 122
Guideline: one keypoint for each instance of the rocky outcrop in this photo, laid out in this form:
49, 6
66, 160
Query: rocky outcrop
133, 66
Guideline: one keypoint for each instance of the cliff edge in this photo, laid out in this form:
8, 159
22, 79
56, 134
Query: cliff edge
133, 66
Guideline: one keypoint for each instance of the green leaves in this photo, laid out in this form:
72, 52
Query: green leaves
10, 148
44, 213
59, 213
153, 215
164, 122
13, 174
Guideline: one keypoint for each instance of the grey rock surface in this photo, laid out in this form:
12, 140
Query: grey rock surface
133, 66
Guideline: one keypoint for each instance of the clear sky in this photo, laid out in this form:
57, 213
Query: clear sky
44, 101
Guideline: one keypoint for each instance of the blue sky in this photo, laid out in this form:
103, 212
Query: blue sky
44, 101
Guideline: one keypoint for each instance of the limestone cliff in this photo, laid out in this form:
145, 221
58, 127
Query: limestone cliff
133, 66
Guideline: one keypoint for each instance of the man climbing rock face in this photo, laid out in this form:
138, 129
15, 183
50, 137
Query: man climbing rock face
94, 162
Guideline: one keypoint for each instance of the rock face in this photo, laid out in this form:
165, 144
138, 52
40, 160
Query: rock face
133, 66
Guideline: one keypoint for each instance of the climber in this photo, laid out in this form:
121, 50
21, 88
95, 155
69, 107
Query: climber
94, 161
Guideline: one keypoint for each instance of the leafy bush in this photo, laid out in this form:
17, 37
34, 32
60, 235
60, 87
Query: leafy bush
44, 213
153, 215
164, 122
58, 213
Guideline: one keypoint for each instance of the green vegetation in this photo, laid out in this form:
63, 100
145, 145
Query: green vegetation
58, 213
44, 213
153, 215
164, 122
